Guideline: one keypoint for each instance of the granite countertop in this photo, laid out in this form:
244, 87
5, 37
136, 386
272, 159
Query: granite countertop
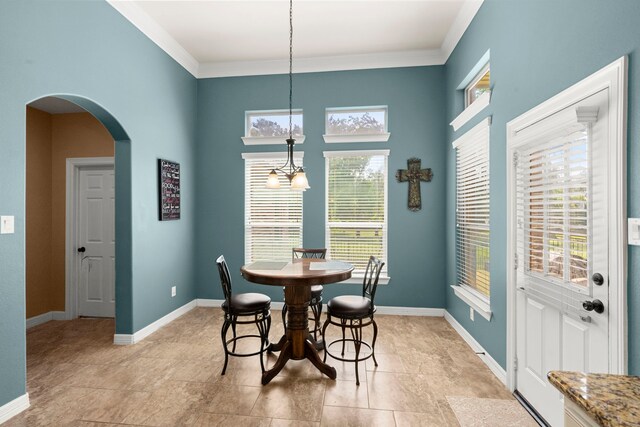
611, 400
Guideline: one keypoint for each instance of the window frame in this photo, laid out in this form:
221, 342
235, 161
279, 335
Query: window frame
470, 86
358, 277
247, 139
331, 138
469, 294
280, 158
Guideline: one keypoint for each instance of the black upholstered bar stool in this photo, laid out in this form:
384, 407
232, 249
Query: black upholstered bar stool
252, 307
316, 290
355, 312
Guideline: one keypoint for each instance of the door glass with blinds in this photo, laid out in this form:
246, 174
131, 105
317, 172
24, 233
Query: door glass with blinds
556, 183
273, 217
356, 216
472, 209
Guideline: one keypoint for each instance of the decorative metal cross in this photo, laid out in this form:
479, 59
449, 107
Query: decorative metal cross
413, 174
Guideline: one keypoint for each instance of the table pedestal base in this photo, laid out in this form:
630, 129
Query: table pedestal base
296, 344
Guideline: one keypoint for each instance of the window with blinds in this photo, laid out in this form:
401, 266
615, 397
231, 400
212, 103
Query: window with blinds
356, 207
472, 209
273, 217
553, 207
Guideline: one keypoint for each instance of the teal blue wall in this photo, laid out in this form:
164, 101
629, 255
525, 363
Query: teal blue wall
538, 48
415, 98
86, 48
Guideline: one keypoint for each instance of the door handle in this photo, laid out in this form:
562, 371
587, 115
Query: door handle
595, 305
598, 279
82, 249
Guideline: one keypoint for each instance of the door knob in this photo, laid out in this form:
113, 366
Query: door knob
598, 279
82, 249
595, 305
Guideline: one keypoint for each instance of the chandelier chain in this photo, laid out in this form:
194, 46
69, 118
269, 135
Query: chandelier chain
290, 68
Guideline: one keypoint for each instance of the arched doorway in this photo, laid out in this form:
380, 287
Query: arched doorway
121, 212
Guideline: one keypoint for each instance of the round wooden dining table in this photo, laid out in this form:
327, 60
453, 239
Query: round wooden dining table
297, 277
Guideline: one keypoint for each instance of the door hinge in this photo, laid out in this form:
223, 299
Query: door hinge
515, 363
515, 160
515, 261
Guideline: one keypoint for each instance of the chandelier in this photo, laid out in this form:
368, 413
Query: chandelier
295, 174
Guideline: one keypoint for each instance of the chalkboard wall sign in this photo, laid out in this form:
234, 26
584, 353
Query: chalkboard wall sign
169, 186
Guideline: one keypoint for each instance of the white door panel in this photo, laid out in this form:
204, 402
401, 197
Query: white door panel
96, 225
562, 223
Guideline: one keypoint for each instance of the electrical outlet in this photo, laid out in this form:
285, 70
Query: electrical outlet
471, 313
173, 291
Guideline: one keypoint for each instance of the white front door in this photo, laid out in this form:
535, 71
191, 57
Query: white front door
96, 235
562, 251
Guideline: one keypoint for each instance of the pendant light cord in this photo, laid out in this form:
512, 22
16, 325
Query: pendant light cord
290, 68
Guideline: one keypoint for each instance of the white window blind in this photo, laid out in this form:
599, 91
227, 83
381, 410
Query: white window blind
553, 208
472, 209
273, 217
356, 207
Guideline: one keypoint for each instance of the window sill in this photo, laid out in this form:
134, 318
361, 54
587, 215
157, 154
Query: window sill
470, 112
371, 137
270, 140
358, 280
479, 305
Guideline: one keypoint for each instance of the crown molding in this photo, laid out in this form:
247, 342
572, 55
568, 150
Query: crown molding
460, 25
412, 58
150, 28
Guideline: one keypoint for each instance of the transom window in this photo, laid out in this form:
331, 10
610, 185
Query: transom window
272, 123
356, 206
479, 85
273, 217
356, 120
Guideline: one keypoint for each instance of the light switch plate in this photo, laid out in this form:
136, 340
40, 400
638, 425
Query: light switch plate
633, 231
7, 224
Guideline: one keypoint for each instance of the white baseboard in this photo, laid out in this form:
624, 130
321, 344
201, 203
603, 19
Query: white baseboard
14, 407
410, 311
126, 339
398, 311
45, 317
494, 366
203, 302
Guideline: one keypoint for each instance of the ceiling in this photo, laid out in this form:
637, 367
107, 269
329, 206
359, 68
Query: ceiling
215, 38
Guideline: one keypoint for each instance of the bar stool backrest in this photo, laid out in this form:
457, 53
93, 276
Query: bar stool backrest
371, 276
225, 278
319, 253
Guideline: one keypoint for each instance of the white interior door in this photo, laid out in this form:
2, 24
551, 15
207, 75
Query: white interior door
562, 209
96, 234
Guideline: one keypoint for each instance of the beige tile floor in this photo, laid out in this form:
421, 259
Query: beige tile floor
77, 377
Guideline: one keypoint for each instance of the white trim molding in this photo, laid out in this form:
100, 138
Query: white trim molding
126, 339
494, 366
472, 110
150, 28
13, 408
45, 317
297, 155
72, 265
481, 306
408, 58
270, 140
614, 78
371, 137
460, 25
